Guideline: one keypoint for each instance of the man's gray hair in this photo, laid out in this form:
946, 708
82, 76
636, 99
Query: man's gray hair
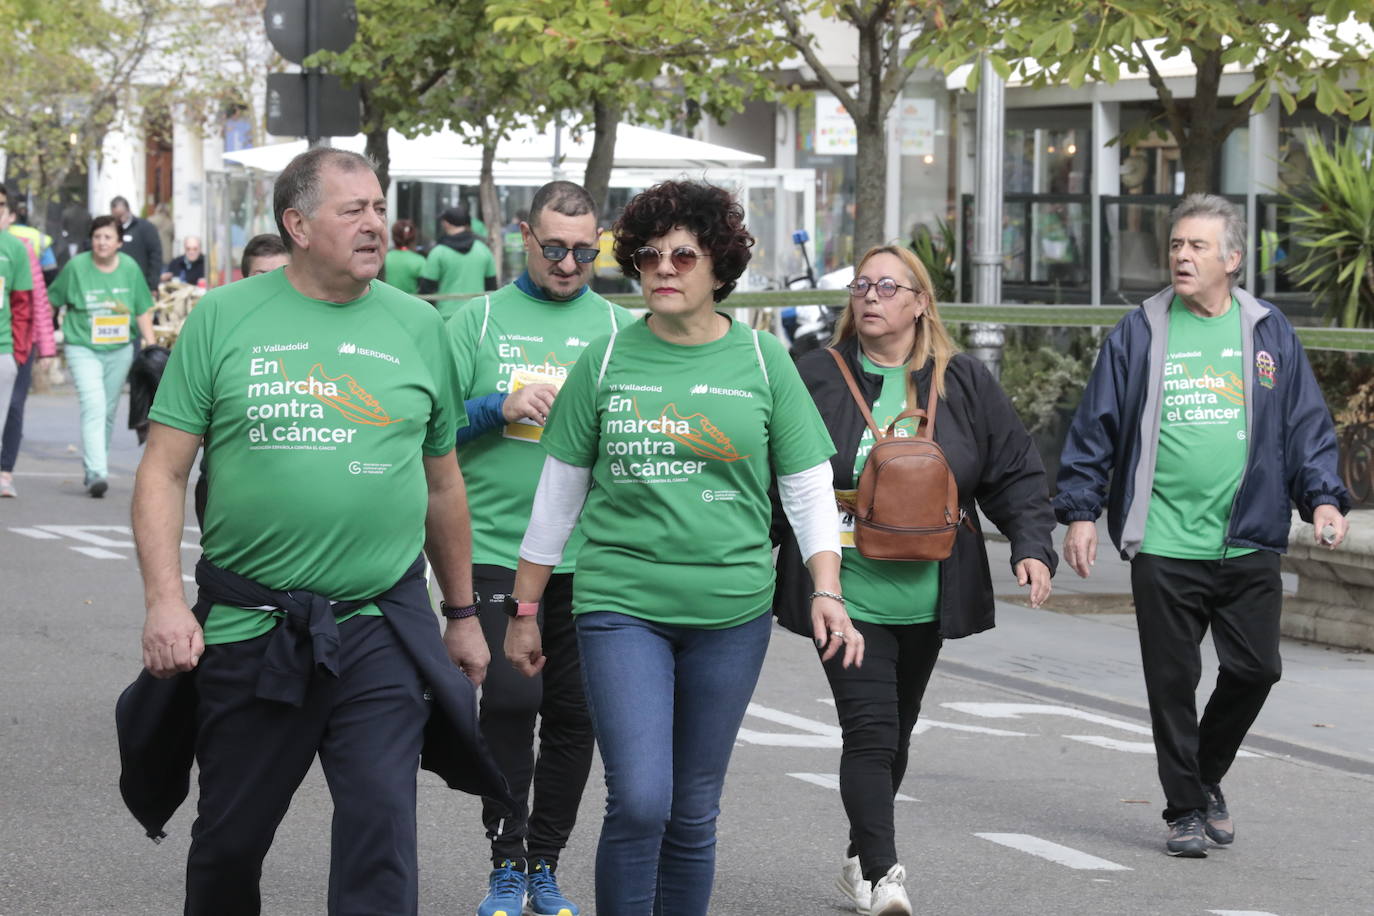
1234, 236
298, 186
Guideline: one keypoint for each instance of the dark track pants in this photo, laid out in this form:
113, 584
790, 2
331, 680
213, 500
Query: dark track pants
1175, 602
14, 413
510, 704
366, 726
878, 705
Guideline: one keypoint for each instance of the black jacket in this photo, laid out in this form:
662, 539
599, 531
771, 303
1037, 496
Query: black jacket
142, 243
994, 461
155, 718
191, 272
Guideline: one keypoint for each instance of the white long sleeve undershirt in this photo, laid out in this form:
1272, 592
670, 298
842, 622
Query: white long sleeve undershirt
807, 498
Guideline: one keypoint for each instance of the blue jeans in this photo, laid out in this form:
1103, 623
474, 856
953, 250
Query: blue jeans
99, 376
666, 705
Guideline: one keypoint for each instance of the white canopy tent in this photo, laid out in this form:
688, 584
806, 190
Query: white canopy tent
776, 201
447, 156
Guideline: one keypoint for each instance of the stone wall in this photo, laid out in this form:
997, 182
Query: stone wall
1334, 604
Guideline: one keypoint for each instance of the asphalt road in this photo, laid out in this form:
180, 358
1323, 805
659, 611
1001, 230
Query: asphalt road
1031, 791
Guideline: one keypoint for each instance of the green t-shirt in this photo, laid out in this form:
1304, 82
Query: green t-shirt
1202, 447
884, 591
458, 273
516, 341
316, 416
682, 442
101, 306
16, 275
403, 269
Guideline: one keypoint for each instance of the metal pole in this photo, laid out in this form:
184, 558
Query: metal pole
556, 163
312, 74
986, 340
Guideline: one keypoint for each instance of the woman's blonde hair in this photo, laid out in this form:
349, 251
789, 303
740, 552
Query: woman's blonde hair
932, 338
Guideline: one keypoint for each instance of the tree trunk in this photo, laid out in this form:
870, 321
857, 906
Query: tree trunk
1198, 150
870, 126
597, 179
870, 165
378, 145
490, 205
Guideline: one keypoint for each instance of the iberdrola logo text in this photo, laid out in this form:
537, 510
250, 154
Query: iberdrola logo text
351, 349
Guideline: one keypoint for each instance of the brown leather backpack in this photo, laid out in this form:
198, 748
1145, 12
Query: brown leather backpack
907, 503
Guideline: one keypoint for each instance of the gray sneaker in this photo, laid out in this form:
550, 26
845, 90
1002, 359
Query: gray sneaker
7, 490
1219, 827
1186, 836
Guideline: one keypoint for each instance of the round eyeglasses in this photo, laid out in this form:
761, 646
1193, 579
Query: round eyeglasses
886, 287
683, 258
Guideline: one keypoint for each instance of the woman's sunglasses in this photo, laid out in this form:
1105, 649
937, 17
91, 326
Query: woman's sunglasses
683, 258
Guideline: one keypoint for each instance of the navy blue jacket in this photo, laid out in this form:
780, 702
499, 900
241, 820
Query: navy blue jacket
1291, 452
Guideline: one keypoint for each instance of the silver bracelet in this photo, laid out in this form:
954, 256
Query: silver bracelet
821, 594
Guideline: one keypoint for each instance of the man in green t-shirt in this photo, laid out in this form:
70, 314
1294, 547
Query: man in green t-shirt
1204, 413
328, 402
459, 262
515, 348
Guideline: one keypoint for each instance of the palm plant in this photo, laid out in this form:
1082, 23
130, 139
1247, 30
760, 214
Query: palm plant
936, 251
1331, 220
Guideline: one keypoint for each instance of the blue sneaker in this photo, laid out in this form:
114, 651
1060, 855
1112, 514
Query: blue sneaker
545, 897
507, 894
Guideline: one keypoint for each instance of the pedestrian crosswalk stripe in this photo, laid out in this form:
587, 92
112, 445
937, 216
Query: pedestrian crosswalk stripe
36, 534
1060, 855
832, 781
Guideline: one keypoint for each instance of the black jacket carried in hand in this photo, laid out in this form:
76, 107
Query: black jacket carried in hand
994, 461
144, 376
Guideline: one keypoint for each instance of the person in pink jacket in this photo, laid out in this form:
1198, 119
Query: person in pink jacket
33, 342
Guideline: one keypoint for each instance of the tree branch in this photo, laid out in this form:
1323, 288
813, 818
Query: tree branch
1166, 98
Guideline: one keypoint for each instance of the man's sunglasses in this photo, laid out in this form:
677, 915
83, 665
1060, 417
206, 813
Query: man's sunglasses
557, 253
683, 258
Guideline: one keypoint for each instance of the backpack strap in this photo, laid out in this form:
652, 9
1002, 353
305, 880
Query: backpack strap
758, 351
606, 359
486, 316
927, 430
854, 390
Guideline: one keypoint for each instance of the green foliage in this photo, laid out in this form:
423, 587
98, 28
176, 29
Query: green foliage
1306, 49
1331, 218
937, 251
1042, 378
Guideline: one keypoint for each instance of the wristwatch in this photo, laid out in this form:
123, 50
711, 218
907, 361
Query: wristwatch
460, 613
516, 608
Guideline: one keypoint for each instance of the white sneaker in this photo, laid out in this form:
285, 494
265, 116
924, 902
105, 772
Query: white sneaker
889, 896
851, 883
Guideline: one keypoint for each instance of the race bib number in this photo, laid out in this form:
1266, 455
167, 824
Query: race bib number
846, 520
524, 429
110, 329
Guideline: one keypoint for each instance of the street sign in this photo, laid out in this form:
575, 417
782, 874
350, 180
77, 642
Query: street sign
288, 26
340, 113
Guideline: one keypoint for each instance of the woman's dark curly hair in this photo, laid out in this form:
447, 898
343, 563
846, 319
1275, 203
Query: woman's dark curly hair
710, 213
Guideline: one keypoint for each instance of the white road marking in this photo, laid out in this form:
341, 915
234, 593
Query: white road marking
832, 781
812, 733
1017, 710
35, 533
88, 534
186, 578
100, 553
1130, 747
925, 725
1242, 912
1060, 855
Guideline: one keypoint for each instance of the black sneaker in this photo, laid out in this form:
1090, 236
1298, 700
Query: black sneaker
1219, 827
1186, 836
97, 486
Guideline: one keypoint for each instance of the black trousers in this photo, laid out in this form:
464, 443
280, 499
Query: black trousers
878, 705
510, 704
367, 726
1175, 602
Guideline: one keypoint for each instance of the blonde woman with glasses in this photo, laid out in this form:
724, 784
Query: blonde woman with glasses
905, 609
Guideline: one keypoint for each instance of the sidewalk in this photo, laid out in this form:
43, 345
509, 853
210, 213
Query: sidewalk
1321, 710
